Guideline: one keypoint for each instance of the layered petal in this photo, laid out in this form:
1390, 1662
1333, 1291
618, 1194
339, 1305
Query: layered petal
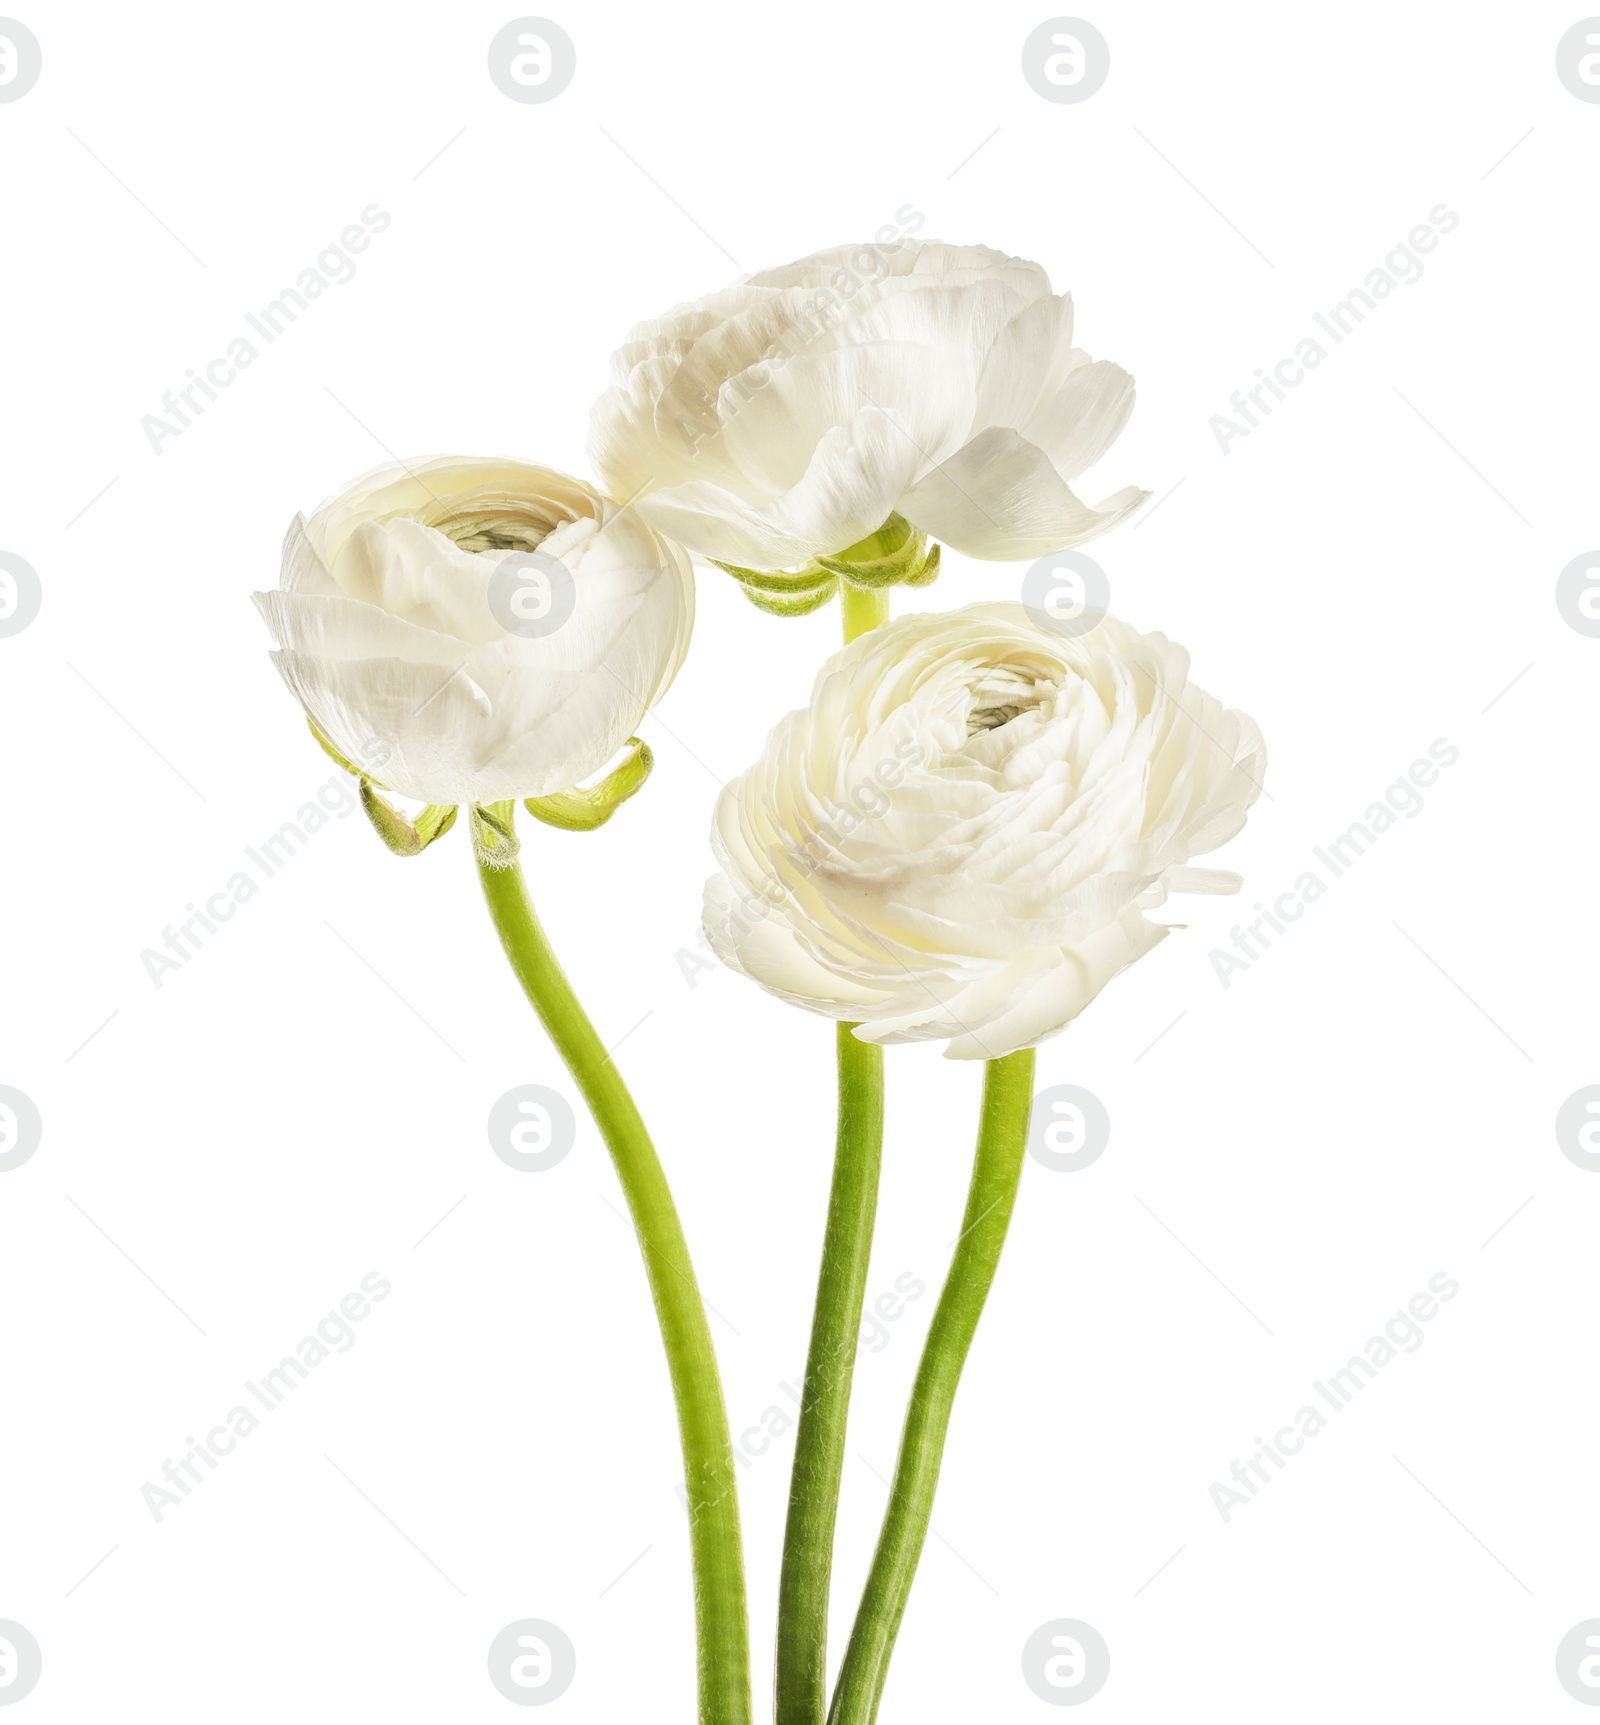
849, 489
1000, 497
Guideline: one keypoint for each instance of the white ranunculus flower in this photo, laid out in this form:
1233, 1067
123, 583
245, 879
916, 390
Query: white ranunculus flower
475, 630
789, 416
961, 834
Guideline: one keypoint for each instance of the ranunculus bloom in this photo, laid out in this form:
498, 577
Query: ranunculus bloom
961, 834
792, 414
471, 631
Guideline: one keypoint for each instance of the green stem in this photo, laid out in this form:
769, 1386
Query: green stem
862, 608
800, 1673
996, 1169
721, 1629
800, 1678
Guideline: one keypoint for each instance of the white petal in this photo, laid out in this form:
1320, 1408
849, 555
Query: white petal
304, 570
425, 717
765, 948
1027, 364
772, 435
424, 489
1000, 498
344, 628
1062, 993
1217, 882
848, 491
417, 574
1084, 418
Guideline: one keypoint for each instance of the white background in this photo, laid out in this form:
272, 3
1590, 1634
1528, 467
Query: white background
1356, 1112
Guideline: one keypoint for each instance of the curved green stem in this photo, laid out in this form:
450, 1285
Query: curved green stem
800, 1677
721, 1629
996, 1170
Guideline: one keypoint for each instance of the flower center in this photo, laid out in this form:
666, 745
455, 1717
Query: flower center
1003, 695
991, 718
492, 521
473, 535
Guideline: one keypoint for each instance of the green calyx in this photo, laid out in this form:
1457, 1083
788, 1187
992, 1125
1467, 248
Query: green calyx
581, 811
405, 837
897, 555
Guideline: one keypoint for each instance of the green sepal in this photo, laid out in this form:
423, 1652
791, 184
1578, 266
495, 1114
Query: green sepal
929, 572
800, 605
494, 834
898, 554
887, 558
890, 540
804, 580
406, 838
785, 592
581, 811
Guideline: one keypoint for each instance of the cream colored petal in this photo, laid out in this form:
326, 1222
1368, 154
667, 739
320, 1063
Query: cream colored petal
304, 570
416, 574
1027, 364
772, 435
1000, 498
1080, 422
344, 628
427, 719
1062, 993
848, 491
748, 938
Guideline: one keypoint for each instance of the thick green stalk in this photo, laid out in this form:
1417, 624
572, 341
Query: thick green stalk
996, 1170
721, 1628
800, 1677
862, 608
